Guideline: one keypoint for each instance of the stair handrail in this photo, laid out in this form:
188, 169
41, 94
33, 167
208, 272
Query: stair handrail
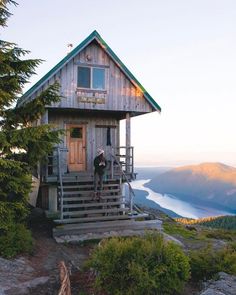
60, 180
131, 191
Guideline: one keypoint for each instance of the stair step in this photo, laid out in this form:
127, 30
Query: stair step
87, 186
96, 211
94, 204
83, 179
90, 198
89, 191
94, 218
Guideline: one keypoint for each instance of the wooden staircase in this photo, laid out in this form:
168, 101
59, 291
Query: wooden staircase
79, 204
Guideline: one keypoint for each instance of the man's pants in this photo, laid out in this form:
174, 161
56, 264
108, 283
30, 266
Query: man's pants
98, 177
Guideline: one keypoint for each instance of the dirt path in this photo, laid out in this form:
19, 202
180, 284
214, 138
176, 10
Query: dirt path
38, 273
47, 255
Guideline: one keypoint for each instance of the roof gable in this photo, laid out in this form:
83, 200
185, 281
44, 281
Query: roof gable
93, 36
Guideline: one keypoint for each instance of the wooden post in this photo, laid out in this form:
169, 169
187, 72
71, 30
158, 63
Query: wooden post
52, 198
65, 280
128, 142
41, 167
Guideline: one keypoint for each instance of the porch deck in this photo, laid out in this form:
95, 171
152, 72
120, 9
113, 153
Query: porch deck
120, 166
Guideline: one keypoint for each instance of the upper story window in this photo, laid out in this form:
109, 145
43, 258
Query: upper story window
91, 78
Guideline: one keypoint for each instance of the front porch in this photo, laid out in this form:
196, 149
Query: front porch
120, 166
71, 194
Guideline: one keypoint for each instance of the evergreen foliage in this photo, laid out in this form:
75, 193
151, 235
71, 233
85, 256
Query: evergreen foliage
135, 266
224, 222
22, 143
16, 240
207, 262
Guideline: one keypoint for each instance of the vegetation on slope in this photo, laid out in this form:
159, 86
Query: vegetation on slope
207, 262
140, 265
224, 222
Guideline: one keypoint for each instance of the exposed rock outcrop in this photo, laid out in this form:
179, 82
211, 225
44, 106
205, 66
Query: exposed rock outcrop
224, 285
18, 277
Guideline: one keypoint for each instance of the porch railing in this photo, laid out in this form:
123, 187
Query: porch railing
122, 167
60, 181
53, 163
125, 157
126, 179
54, 169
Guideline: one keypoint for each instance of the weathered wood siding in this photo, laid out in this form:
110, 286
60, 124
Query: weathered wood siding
96, 135
119, 94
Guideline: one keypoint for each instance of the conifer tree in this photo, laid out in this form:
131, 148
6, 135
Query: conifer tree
22, 143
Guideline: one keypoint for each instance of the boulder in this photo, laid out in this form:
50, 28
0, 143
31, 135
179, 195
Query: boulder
224, 285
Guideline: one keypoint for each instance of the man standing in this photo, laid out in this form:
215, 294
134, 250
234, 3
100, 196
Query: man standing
100, 164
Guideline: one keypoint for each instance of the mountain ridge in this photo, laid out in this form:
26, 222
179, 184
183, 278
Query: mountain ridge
213, 170
206, 183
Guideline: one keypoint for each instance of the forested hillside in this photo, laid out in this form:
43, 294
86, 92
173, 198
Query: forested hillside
224, 222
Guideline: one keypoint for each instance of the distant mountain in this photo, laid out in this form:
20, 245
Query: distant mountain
206, 184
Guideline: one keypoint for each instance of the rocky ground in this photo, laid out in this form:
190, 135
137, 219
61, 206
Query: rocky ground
38, 273
224, 285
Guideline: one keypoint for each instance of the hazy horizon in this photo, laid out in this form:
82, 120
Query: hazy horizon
179, 163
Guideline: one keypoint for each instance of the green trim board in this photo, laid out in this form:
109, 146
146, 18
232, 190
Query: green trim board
94, 35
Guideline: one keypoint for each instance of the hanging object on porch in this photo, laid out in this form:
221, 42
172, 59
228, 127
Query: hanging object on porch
109, 136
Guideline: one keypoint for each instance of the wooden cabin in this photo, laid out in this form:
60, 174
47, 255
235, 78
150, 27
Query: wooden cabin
97, 92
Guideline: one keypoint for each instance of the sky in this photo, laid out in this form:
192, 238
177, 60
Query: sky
182, 51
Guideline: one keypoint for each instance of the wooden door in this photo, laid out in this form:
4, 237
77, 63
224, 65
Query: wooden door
76, 143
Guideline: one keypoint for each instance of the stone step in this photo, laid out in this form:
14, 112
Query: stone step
106, 226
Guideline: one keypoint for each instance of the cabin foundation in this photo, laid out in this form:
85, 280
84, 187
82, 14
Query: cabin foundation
52, 199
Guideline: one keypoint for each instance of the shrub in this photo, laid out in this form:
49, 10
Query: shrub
207, 262
174, 228
15, 240
133, 266
15, 185
220, 234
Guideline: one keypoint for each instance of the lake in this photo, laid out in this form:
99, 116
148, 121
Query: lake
172, 203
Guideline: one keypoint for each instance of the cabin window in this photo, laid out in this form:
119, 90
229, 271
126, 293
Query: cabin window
76, 132
98, 78
84, 77
91, 77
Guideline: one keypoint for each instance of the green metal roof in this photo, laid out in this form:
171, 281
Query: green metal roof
74, 52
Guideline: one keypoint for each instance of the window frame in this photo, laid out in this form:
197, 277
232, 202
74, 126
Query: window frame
91, 68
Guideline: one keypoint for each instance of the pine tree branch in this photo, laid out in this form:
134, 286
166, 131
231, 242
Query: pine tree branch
30, 144
30, 111
4, 11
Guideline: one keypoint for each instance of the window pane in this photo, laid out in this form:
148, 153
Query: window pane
84, 77
98, 78
76, 132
